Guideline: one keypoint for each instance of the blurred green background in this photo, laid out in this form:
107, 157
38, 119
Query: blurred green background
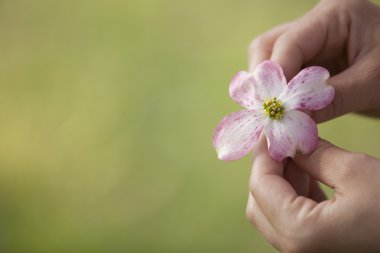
107, 109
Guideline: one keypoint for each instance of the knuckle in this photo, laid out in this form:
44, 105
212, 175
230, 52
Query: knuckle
288, 45
256, 187
286, 40
250, 214
257, 43
372, 66
252, 186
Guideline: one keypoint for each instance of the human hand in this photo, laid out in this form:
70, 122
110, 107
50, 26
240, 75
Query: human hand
295, 216
341, 35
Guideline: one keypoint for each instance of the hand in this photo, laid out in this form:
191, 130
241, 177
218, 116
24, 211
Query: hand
341, 35
295, 216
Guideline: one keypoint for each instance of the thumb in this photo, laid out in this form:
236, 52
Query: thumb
356, 89
327, 163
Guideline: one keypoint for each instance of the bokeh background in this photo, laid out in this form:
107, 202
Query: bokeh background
107, 109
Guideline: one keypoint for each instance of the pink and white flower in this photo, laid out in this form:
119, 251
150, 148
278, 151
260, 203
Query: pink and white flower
275, 107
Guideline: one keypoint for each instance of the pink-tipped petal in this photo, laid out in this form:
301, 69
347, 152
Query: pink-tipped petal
269, 80
242, 90
296, 131
252, 89
308, 90
236, 134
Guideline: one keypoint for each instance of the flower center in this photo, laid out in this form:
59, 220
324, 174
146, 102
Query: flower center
273, 108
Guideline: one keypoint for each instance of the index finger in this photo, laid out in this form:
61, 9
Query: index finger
300, 44
273, 194
261, 47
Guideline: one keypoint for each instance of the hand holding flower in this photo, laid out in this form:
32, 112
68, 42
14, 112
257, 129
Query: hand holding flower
286, 203
341, 35
297, 217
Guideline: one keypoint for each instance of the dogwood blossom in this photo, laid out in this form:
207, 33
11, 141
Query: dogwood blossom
275, 107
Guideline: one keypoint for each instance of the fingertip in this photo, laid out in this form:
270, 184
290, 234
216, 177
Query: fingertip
263, 163
256, 57
336, 108
260, 145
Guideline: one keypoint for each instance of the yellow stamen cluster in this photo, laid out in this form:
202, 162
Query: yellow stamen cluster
274, 108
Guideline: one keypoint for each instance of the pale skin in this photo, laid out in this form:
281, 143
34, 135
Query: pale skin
285, 202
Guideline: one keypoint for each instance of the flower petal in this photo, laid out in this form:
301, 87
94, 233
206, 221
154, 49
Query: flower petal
236, 134
252, 89
308, 90
296, 131
242, 90
269, 80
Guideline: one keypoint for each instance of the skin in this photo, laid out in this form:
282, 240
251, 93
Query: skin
285, 201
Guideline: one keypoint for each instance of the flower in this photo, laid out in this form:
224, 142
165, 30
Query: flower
275, 107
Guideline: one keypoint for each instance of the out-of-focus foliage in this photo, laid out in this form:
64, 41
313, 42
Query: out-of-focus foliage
107, 109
